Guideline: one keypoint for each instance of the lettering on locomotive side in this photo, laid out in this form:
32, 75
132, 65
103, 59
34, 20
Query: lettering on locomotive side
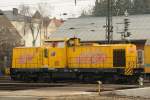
91, 58
25, 58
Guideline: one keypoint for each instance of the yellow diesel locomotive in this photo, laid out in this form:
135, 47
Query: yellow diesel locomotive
69, 58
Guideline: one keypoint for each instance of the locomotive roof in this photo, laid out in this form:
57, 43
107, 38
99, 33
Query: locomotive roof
56, 39
115, 45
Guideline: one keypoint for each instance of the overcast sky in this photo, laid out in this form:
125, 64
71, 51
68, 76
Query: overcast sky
59, 6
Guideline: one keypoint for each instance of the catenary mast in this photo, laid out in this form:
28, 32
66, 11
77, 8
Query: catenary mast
109, 26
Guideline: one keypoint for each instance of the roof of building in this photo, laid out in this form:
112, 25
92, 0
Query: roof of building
7, 31
37, 15
13, 17
92, 28
58, 22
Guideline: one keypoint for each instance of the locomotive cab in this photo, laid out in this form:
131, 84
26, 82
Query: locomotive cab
73, 42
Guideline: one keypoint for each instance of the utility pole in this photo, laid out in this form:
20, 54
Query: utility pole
75, 2
125, 33
109, 27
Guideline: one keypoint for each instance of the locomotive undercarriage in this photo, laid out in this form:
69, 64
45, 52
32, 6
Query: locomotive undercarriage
75, 75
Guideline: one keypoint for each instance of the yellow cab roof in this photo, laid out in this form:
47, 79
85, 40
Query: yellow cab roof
56, 39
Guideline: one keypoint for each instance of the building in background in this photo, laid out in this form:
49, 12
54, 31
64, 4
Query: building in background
91, 29
54, 25
34, 28
9, 38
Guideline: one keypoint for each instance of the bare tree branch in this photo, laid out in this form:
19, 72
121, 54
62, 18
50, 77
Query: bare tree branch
37, 25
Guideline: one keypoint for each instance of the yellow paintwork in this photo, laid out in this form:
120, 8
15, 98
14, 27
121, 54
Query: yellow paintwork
7, 71
89, 58
57, 58
78, 56
147, 58
147, 69
27, 57
34, 58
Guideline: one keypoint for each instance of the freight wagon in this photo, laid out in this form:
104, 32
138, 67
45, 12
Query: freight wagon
71, 59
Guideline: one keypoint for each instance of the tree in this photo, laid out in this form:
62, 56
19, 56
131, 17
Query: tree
141, 6
24, 11
100, 8
120, 6
35, 25
85, 13
29, 22
45, 11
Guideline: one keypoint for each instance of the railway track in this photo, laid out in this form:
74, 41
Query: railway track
63, 86
7, 84
25, 86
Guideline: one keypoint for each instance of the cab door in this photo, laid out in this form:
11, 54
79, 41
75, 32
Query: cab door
57, 57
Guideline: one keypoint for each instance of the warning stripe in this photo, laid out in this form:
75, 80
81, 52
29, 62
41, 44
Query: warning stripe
128, 71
